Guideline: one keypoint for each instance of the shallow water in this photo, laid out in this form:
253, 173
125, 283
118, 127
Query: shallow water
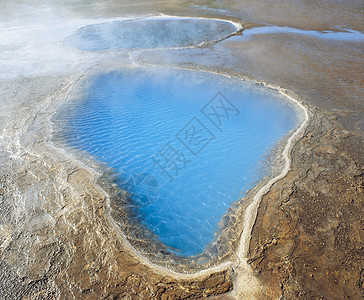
157, 32
186, 144
342, 35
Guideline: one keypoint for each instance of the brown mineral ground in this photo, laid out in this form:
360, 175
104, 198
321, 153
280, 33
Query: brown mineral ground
56, 241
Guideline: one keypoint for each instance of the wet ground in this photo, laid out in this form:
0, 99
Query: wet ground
307, 242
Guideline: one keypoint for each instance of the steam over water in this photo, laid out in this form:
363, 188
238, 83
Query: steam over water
54, 225
186, 144
150, 33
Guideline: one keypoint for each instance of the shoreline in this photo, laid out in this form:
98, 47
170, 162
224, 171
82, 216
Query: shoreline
251, 210
137, 18
56, 240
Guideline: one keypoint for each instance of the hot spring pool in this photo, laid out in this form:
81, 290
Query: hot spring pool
186, 145
155, 32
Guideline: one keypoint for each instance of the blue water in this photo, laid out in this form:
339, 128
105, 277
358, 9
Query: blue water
343, 35
186, 144
149, 33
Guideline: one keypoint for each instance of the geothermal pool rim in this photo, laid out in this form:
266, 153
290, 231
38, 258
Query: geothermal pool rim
238, 29
238, 259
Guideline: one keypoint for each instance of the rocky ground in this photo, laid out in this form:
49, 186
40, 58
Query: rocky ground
307, 242
56, 241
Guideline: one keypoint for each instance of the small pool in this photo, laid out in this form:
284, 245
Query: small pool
145, 33
186, 145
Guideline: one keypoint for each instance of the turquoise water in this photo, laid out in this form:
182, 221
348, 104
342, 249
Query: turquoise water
149, 33
185, 144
